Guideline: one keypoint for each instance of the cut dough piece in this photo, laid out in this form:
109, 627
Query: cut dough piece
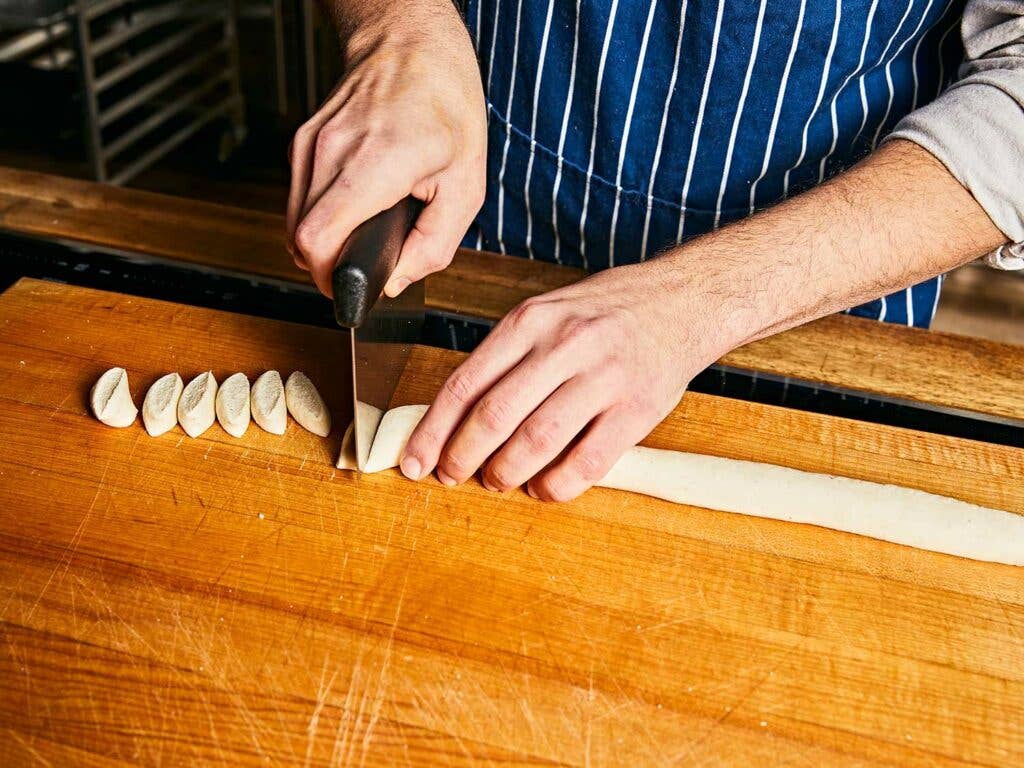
393, 433
305, 404
196, 406
111, 401
160, 408
355, 449
233, 404
369, 421
347, 456
268, 403
887, 512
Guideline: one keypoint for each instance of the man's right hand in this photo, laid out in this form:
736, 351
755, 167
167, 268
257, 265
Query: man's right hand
408, 117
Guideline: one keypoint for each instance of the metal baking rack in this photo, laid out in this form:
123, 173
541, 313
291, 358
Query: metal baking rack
152, 73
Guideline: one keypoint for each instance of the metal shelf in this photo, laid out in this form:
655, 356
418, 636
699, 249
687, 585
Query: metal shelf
153, 53
158, 86
139, 69
151, 18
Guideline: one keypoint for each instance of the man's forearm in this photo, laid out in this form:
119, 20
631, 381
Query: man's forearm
378, 17
895, 219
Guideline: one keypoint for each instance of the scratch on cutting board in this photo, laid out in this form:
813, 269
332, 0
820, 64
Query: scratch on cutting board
806, 598
730, 709
1010, 623
382, 678
345, 740
705, 609
23, 662
343, 734
588, 731
60, 406
337, 514
824, 359
323, 692
28, 747
442, 717
201, 521
326, 455
135, 442
108, 608
688, 619
72, 546
654, 748
521, 696
225, 677
387, 544
409, 514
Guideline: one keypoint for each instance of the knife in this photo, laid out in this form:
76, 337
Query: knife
381, 330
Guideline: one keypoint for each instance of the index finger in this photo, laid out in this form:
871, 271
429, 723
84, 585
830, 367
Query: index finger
343, 207
300, 158
368, 181
499, 352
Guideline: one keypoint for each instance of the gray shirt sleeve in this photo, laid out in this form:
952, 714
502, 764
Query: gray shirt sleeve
976, 127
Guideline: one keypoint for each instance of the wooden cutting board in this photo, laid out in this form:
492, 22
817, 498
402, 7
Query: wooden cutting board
169, 600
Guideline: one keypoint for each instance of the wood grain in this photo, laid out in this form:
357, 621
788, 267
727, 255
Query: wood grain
840, 351
168, 600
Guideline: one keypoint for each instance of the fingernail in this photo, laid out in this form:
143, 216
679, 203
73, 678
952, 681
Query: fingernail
398, 285
445, 479
488, 486
529, 490
412, 468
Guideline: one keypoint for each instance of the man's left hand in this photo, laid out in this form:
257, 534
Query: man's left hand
563, 386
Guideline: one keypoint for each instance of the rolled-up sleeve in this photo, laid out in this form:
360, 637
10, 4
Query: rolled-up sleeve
976, 127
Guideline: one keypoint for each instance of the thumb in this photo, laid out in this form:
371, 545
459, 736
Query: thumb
433, 240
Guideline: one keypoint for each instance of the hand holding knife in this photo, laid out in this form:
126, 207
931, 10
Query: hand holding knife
382, 329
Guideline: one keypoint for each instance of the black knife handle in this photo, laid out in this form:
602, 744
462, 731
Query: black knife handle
367, 260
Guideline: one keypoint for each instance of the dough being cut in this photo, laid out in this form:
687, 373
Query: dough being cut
369, 419
305, 404
347, 455
233, 404
160, 408
887, 512
196, 406
111, 401
395, 428
268, 403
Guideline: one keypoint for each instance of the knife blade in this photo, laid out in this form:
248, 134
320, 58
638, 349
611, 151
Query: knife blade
381, 330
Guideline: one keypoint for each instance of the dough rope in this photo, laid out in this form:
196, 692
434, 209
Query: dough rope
890, 513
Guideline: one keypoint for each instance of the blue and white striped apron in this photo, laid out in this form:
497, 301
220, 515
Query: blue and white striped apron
618, 128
